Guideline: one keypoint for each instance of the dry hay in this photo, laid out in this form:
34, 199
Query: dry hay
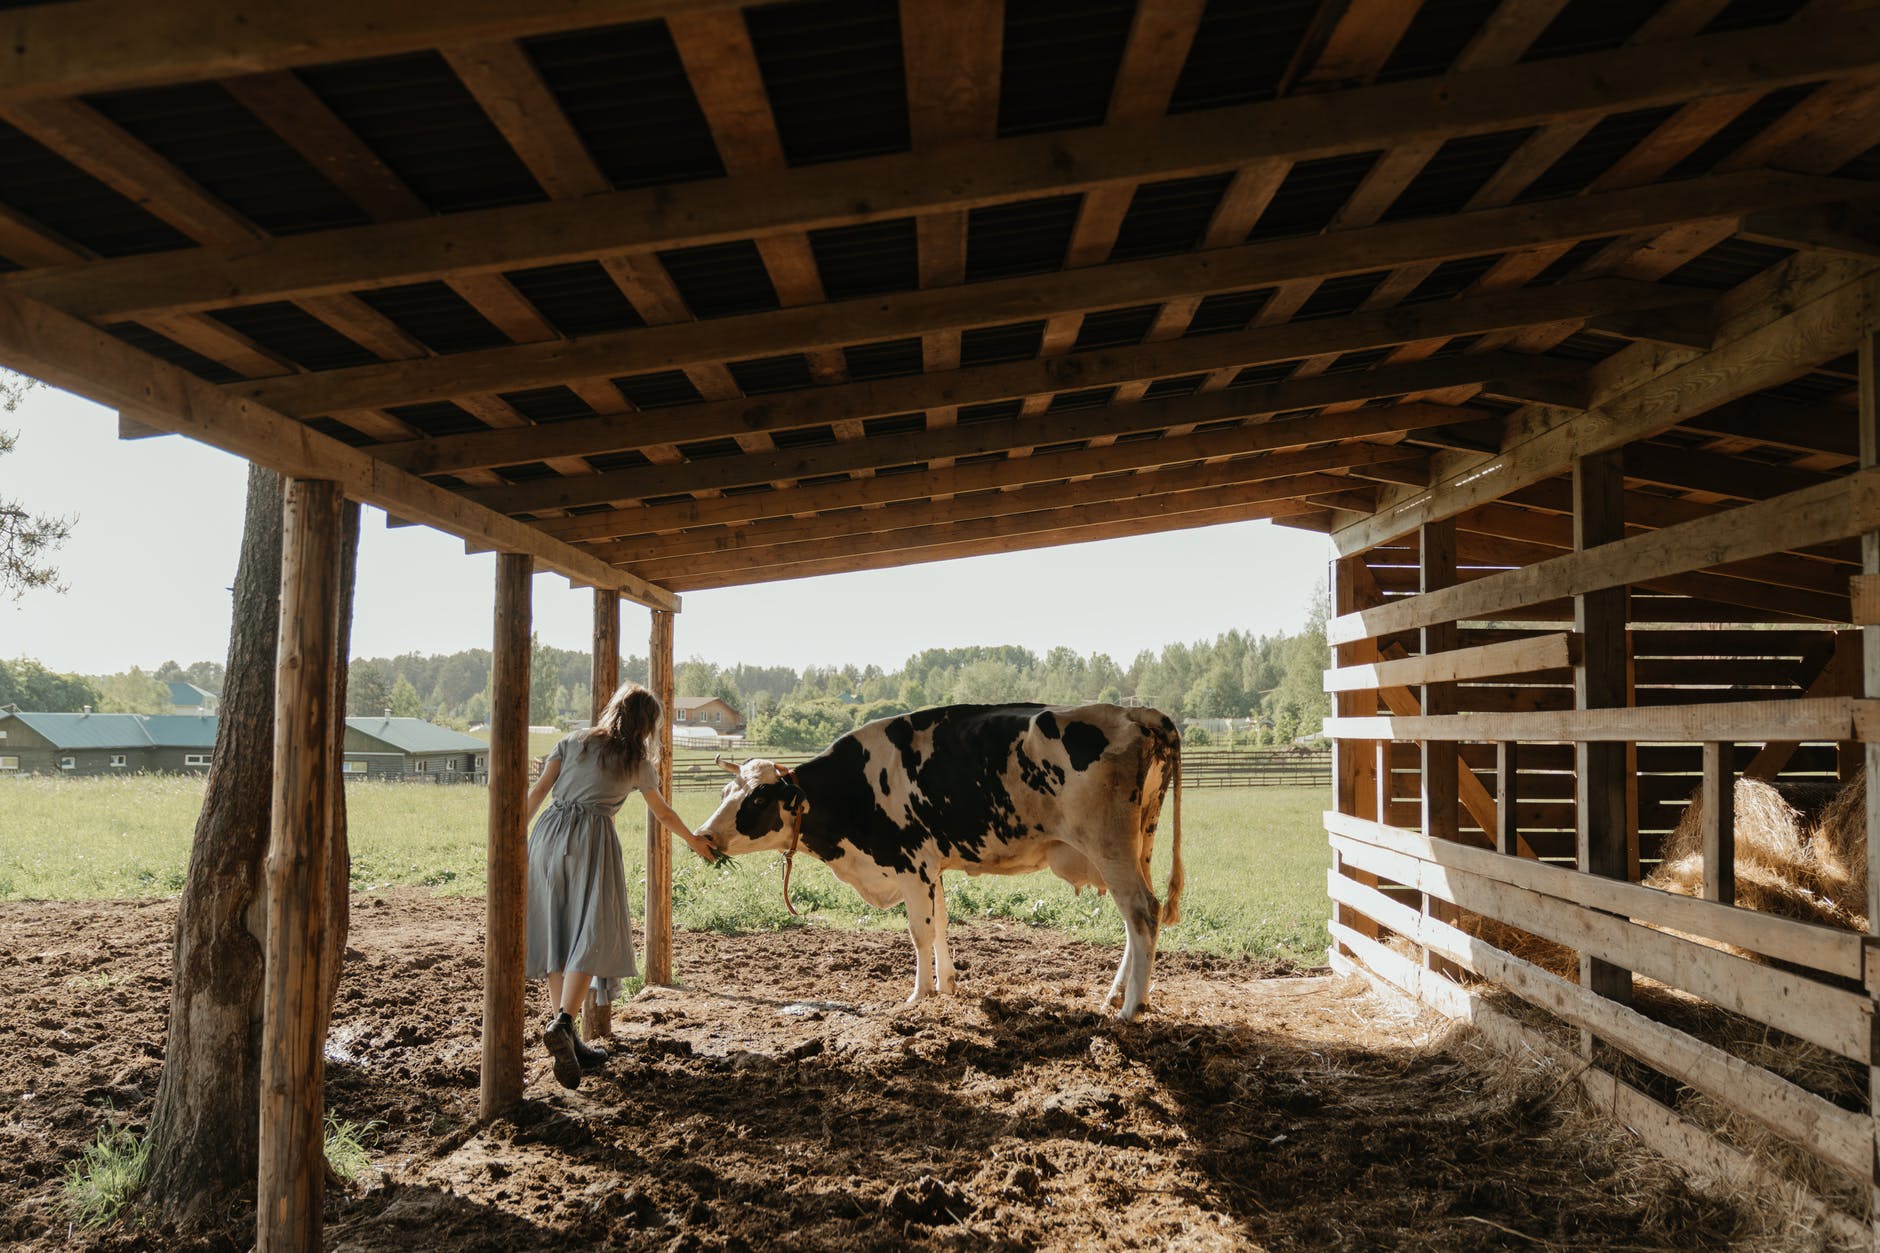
1815, 871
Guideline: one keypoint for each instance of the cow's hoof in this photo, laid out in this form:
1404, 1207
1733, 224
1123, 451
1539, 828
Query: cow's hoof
950, 988
917, 996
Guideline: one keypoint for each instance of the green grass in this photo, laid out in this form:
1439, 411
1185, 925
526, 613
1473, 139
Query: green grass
346, 1150
1256, 861
102, 1182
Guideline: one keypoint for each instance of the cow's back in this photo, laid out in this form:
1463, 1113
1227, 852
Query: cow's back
984, 782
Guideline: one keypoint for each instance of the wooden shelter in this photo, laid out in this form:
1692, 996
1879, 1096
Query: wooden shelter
1558, 314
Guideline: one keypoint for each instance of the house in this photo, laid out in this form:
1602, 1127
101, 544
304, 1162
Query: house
710, 713
397, 748
188, 698
93, 744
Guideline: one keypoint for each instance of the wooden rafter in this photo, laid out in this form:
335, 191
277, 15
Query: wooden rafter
897, 450
38, 340
1296, 128
1501, 373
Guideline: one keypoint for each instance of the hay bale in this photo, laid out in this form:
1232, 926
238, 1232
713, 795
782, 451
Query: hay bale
1815, 871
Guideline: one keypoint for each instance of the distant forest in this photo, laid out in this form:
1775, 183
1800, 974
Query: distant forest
1272, 679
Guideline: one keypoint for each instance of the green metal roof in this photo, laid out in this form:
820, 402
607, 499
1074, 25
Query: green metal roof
89, 730
188, 694
181, 730
415, 735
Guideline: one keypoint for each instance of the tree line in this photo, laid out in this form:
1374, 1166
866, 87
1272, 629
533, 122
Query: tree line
1272, 680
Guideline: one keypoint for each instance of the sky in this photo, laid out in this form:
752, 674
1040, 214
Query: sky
158, 528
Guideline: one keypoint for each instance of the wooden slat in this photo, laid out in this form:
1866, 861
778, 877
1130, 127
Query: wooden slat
1832, 511
1825, 719
1830, 1017
603, 678
1293, 129
1692, 1148
1838, 1135
1542, 652
47, 344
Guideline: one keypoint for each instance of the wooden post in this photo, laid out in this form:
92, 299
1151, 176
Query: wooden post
1438, 760
291, 1183
1600, 787
506, 910
603, 677
1360, 773
658, 843
1870, 686
1507, 831
1719, 818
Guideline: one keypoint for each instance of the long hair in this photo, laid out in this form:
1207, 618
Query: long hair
624, 733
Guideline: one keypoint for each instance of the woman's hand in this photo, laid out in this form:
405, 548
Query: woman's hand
702, 847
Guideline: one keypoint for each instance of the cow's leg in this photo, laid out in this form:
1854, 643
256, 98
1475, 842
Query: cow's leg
1141, 914
919, 896
942, 955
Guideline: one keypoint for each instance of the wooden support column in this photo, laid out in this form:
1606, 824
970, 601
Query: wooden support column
1438, 760
1360, 769
506, 911
290, 1186
603, 677
1870, 686
1719, 818
658, 843
1507, 831
1600, 785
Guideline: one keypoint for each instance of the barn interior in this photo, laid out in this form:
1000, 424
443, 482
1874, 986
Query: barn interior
1557, 316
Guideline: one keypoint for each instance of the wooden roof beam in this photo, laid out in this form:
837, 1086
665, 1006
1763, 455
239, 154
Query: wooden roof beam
1016, 299
1221, 484
920, 447
1502, 373
853, 542
1003, 543
113, 45
38, 340
977, 476
1828, 311
1295, 128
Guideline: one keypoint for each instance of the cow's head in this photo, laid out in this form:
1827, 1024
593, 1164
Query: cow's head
763, 808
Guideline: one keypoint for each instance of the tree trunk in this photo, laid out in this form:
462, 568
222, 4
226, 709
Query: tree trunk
204, 1128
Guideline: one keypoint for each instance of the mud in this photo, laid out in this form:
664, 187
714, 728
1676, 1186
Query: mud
786, 1098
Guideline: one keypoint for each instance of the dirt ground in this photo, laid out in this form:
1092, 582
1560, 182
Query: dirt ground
785, 1098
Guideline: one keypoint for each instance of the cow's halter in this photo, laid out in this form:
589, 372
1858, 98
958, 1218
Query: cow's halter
796, 834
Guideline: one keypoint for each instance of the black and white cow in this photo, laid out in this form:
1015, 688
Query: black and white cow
988, 789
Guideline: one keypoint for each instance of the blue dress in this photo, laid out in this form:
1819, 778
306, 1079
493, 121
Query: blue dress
579, 918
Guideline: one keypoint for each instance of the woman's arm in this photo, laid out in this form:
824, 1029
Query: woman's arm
672, 822
537, 794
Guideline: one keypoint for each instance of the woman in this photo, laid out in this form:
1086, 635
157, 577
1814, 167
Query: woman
580, 930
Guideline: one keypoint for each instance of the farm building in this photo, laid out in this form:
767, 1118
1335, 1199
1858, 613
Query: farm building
1561, 317
708, 713
94, 744
389, 747
189, 698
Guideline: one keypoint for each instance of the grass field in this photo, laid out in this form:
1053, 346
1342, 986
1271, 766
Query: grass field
1255, 858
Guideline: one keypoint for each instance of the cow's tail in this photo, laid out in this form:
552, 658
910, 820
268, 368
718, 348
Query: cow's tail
1172, 904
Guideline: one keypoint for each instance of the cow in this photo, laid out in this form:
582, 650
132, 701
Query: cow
988, 789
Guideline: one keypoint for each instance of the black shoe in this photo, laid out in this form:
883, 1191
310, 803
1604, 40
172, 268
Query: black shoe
560, 1040
591, 1057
